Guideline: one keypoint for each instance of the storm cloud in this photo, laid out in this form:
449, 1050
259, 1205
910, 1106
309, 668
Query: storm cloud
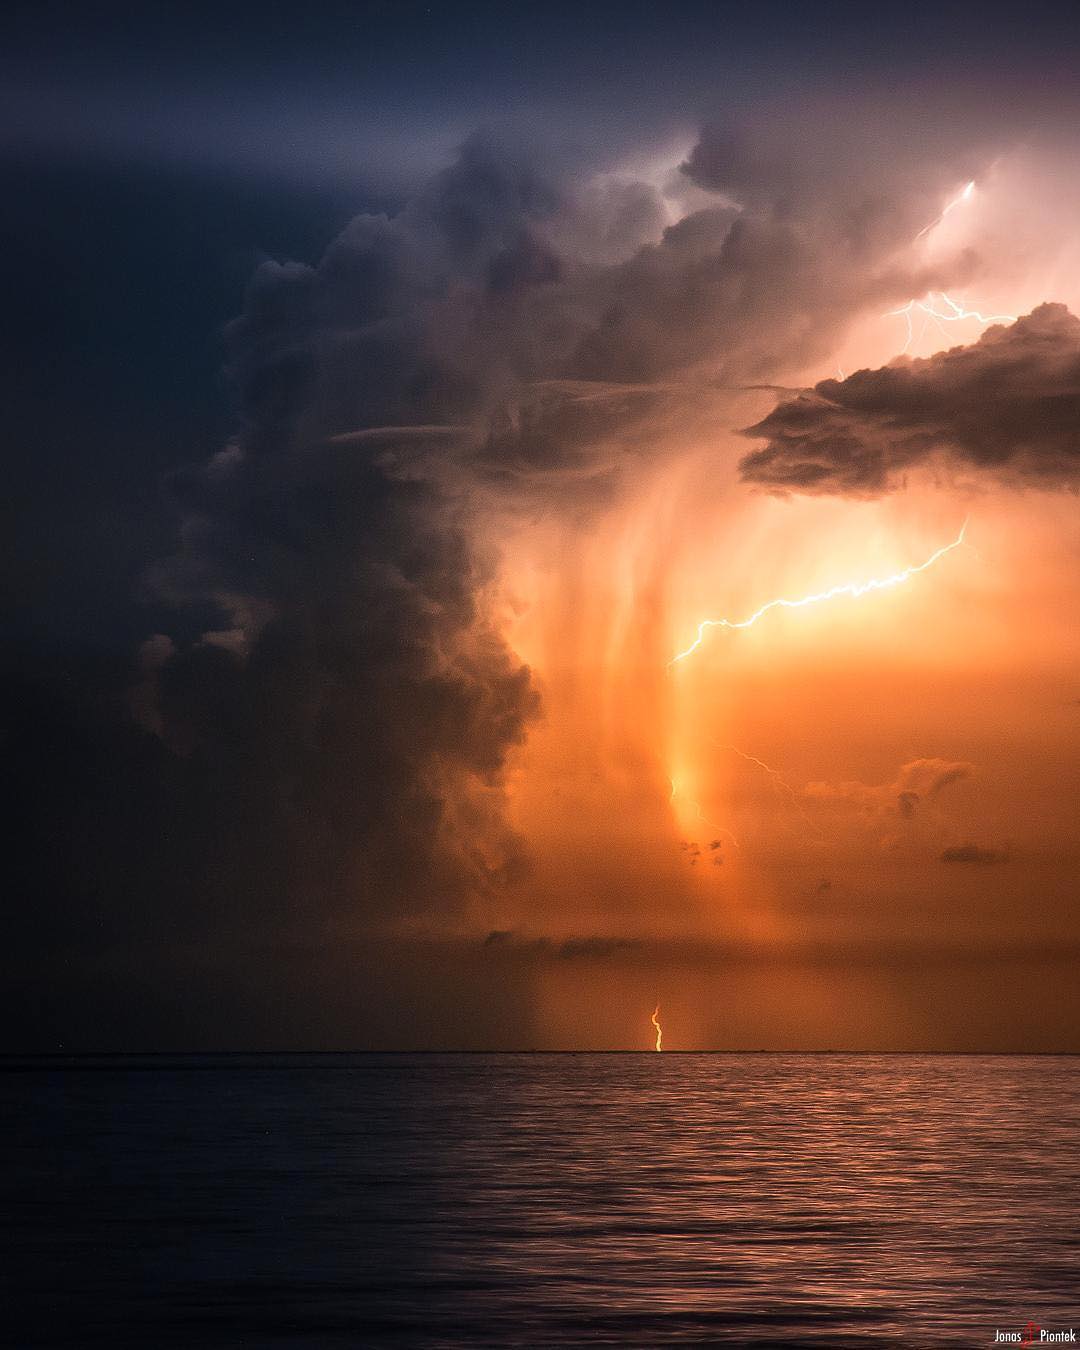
506, 339
315, 748
1007, 406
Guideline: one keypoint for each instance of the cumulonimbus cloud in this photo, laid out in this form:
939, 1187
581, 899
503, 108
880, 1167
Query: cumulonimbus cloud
321, 737
507, 332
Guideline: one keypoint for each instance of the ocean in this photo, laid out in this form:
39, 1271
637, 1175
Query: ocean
539, 1200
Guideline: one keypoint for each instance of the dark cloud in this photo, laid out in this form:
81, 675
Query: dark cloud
748, 292
352, 702
974, 853
498, 936
325, 756
1008, 405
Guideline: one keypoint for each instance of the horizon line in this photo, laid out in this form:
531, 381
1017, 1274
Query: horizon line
9, 1058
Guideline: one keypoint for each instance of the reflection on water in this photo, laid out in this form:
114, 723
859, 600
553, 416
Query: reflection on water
540, 1200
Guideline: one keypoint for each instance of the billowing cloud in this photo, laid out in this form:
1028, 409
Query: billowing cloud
506, 337
918, 781
895, 814
1008, 406
318, 744
354, 702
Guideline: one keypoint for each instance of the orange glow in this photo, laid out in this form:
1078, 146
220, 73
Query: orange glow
678, 794
629, 766
802, 739
952, 312
659, 1030
779, 784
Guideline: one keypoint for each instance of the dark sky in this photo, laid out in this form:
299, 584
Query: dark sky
153, 153
154, 156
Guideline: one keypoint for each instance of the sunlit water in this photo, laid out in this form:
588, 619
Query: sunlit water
540, 1200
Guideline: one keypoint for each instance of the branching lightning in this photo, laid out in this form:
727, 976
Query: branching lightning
852, 589
951, 313
948, 310
659, 1030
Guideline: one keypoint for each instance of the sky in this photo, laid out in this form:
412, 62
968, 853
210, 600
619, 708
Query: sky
415, 414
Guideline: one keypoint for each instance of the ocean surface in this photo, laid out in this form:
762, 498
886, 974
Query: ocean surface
538, 1200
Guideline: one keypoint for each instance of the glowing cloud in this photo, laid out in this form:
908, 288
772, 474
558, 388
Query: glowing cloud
851, 589
677, 792
777, 782
951, 313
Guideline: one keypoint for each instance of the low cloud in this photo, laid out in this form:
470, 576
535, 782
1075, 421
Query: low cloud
918, 781
1006, 406
974, 853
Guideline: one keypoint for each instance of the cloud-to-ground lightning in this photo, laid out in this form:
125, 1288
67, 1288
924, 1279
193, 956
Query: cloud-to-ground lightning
659, 1030
852, 589
951, 313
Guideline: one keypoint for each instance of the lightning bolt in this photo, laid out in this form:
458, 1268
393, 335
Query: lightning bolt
960, 198
753, 759
677, 792
776, 781
659, 1029
851, 589
952, 313
949, 311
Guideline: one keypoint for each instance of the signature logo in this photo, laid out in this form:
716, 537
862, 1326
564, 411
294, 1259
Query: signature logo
1033, 1334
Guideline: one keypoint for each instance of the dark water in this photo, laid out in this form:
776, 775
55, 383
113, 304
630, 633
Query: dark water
540, 1200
